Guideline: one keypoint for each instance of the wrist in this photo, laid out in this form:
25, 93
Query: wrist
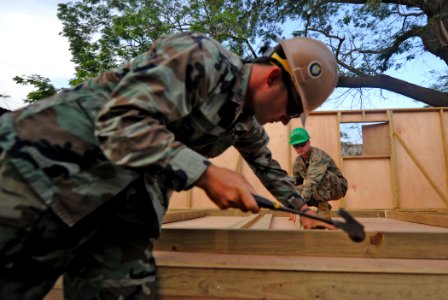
304, 209
204, 179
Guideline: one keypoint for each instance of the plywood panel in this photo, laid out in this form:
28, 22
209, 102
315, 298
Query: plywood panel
179, 200
363, 116
419, 129
375, 139
324, 133
369, 183
256, 183
199, 199
228, 159
421, 134
279, 143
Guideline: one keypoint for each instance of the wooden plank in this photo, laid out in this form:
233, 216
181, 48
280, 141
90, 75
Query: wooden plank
245, 223
365, 177
57, 292
263, 223
363, 116
429, 218
175, 216
208, 222
205, 276
300, 263
422, 169
283, 223
364, 213
380, 244
371, 134
421, 178
251, 284
393, 162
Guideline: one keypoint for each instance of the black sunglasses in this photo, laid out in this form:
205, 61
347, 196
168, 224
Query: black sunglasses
300, 145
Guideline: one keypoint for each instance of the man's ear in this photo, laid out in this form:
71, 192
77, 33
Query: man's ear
274, 76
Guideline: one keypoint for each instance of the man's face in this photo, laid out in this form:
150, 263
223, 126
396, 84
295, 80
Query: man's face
303, 148
271, 104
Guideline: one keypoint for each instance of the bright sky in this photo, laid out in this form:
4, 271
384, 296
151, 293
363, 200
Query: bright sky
31, 44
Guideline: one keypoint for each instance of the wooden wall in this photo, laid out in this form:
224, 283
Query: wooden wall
403, 164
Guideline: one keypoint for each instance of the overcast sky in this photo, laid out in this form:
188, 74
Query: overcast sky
31, 44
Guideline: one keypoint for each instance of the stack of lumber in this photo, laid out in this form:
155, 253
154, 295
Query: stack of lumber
206, 254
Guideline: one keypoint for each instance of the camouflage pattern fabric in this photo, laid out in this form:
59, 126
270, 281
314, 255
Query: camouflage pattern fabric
107, 255
322, 179
155, 120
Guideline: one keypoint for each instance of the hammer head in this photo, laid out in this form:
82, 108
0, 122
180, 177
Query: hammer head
353, 228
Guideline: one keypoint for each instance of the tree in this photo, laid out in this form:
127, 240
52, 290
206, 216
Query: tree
369, 37
105, 33
43, 87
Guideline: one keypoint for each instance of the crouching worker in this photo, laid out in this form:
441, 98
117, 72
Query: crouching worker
315, 173
86, 176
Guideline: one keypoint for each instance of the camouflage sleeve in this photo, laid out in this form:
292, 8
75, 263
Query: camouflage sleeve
161, 85
253, 147
297, 176
316, 171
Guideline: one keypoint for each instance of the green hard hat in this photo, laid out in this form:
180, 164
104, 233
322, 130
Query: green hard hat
298, 135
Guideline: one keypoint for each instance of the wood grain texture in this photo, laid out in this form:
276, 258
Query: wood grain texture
429, 218
266, 277
379, 244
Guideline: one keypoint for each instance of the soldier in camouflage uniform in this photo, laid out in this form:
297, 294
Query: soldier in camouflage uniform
86, 175
315, 173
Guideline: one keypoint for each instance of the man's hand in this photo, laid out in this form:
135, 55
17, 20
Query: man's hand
228, 189
308, 223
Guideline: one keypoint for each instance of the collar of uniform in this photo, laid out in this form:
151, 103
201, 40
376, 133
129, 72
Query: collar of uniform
241, 87
239, 91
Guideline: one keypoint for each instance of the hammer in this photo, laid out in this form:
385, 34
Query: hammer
353, 228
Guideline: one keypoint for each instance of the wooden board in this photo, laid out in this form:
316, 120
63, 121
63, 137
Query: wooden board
369, 183
412, 176
424, 245
224, 276
419, 142
429, 218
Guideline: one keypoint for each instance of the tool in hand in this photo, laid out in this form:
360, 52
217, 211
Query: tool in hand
353, 228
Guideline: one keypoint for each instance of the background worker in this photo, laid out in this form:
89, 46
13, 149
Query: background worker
315, 174
86, 176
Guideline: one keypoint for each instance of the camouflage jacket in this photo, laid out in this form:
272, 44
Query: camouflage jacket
160, 116
316, 172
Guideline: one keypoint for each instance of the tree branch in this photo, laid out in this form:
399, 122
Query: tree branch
411, 3
419, 93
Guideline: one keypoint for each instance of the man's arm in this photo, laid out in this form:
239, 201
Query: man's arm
160, 86
252, 144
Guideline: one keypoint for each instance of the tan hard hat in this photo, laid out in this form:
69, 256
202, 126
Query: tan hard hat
313, 70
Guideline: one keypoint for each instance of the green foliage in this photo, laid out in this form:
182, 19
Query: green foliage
369, 37
105, 33
43, 87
